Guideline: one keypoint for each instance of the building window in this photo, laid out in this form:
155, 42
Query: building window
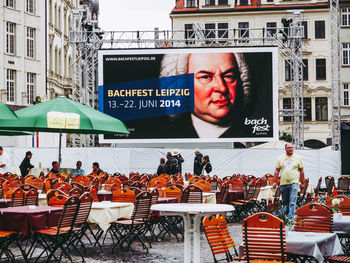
190, 3
30, 42
321, 109
346, 94
287, 104
30, 87
10, 38
243, 29
189, 33
30, 6
288, 70
209, 31
320, 68
10, 85
320, 31
223, 30
306, 69
345, 16
10, 3
304, 24
271, 29
307, 109
223, 2
346, 54
209, 2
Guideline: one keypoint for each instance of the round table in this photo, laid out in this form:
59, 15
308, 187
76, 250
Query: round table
184, 210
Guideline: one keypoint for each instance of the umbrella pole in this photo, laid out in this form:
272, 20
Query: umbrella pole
59, 149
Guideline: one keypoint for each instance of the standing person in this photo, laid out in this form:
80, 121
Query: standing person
161, 168
175, 162
206, 165
167, 163
25, 164
4, 161
197, 165
55, 167
78, 169
291, 167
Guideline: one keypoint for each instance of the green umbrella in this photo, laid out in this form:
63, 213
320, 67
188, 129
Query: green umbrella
6, 113
62, 115
14, 133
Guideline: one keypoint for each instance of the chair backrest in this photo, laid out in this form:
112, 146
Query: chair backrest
205, 186
70, 210
78, 186
63, 185
344, 204
84, 208
142, 207
75, 192
57, 200
134, 189
27, 187
218, 235
111, 181
313, 217
17, 197
31, 197
343, 183
192, 194
329, 180
93, 192
264, 237
317, 189
83, 180
172, 191
155, 195
35, 181
123, 195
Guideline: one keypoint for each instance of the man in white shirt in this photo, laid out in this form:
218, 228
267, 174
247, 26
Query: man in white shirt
4, 162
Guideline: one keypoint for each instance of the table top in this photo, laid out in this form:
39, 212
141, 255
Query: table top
104, 192
307, 237
199, 208
31, 209
109, 204
2, 200
167, 199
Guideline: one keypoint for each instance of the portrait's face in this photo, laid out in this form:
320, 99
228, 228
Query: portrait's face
289, 149
215, 81
78, 165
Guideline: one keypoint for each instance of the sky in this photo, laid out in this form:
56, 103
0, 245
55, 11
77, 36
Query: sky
132, 15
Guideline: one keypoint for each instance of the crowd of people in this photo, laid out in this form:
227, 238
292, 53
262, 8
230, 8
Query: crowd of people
173, 163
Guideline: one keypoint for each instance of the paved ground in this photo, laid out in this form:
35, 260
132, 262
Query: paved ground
168, 250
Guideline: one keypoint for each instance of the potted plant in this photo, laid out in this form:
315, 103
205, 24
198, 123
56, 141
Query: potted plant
335, 208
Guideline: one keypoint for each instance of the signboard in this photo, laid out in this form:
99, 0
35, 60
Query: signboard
191, 95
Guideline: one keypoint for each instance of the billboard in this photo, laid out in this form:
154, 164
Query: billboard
191, 94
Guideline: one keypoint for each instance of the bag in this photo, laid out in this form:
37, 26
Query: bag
208, 167
174, 165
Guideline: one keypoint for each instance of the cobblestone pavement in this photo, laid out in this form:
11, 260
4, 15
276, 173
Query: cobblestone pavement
168, 250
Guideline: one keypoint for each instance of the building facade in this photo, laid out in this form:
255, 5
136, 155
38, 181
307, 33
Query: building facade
220, 15
22, 63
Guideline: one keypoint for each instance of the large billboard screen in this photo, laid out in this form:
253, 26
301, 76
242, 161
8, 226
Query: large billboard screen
191, 95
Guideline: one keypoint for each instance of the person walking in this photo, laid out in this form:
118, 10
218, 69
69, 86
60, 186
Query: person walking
4, 161
206, 165
197, 164
290, 167
25, 164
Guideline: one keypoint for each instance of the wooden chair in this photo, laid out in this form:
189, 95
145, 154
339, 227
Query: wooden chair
67, 187
27, 187
75, 192
31, 197
329, 180
343, 185
218, 236
58, 237
111, 181
56, 198
313, 217
192, 194
83, 180
129, 230
222, 195
93, 192
264, 239
35, 181
205, 186
123, 195
17, 197
172, 191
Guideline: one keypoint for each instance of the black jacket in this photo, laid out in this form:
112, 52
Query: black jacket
161, 169
24, 166
197, 165
207, 167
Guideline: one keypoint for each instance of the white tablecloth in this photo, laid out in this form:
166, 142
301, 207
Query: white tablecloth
42, 200
317, 245
103, 213
342, 224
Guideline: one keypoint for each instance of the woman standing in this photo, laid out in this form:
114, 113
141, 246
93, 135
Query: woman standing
206, 165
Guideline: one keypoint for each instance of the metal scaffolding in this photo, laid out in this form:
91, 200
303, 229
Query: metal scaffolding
288, 39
